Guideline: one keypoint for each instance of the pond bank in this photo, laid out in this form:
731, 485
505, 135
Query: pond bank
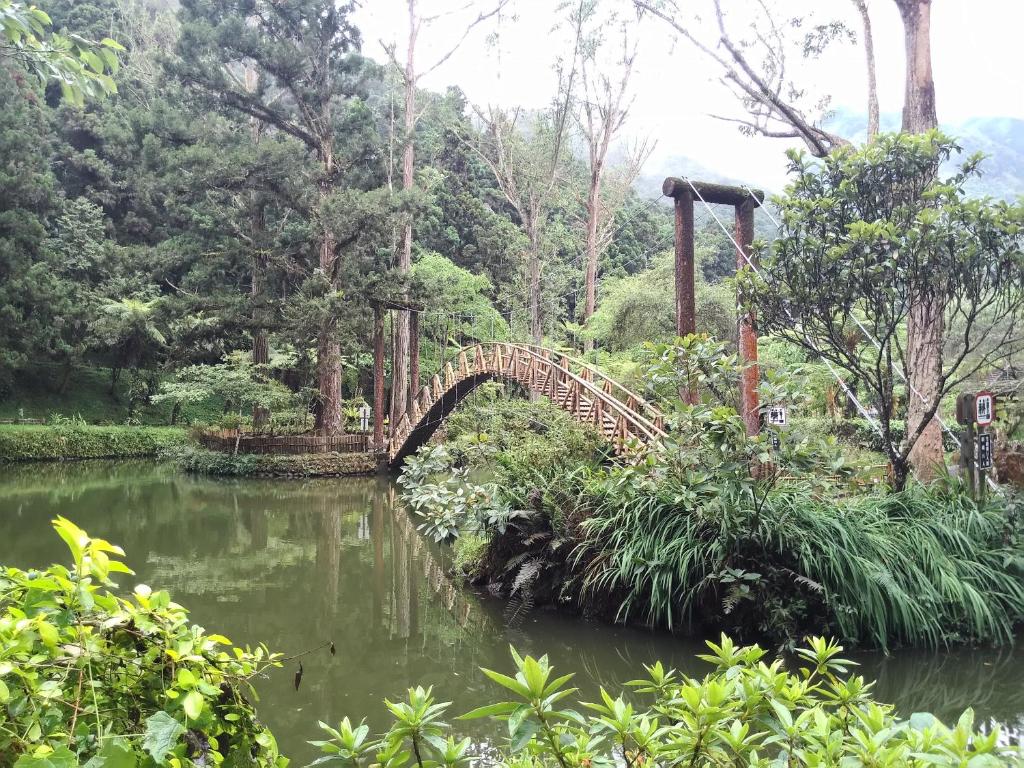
205, 462
59, 442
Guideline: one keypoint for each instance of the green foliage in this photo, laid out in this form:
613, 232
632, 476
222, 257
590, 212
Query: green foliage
91, 677
746, 711
444, 497
236, 379
515, 435
35, 392
82, 68
450, 290
469, 550
869, 233
640, 308
75, 440
919, 567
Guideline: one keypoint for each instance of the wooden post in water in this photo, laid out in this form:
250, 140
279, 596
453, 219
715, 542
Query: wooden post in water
686, 302
414, 357
378, 377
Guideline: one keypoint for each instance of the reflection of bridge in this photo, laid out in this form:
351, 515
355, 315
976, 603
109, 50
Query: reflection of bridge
581, 390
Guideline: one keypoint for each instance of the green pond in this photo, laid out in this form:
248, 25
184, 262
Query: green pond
297, 564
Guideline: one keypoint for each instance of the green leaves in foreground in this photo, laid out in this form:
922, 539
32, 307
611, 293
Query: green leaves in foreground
745, 712
90, 677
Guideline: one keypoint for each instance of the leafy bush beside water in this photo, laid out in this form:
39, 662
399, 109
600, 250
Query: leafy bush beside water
716, 530
745, 712
80, 441
91, 677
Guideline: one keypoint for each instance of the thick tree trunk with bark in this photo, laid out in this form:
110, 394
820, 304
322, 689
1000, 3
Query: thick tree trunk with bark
919, 94
925, 330
926, 325
328, 350
260, 356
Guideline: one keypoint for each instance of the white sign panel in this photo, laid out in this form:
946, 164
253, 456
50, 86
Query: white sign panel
776, 416
984, 408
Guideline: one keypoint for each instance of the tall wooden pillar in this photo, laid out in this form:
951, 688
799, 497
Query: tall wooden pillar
414, 357
686, 302
379, 410
749, 401
686, 310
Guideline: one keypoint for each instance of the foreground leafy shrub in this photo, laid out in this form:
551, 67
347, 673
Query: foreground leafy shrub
746, 712
89, 677
79, 441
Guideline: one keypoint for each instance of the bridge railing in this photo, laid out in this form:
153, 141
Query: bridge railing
650, 425
591, 373
576, 387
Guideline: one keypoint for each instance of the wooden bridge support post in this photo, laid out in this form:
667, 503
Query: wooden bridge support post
378, 378
686, 305
414, 357
748, 322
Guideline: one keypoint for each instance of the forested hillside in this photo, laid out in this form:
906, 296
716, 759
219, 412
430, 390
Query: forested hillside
182, 218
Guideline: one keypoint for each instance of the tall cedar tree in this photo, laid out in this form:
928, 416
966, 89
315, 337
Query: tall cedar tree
309, 72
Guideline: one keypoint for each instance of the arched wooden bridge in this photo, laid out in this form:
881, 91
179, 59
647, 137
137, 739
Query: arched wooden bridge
591, 397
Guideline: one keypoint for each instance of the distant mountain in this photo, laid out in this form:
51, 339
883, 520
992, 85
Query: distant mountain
1001, 139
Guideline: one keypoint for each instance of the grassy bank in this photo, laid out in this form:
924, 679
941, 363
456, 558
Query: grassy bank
79, 441
688, 538
205, 462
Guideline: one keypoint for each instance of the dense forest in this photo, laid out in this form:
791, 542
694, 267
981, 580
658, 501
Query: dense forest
232, 196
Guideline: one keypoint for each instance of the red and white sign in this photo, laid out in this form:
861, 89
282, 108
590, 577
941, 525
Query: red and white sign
984, 408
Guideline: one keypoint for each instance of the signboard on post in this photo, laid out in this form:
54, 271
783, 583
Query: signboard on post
777, 416
985, 450
984, 409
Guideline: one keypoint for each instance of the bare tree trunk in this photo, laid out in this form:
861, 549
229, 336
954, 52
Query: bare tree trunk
869, 55
593, 214
926, 325
400, 370
536, 327
260, 346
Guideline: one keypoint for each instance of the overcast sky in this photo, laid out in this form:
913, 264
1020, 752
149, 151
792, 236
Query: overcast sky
976, 55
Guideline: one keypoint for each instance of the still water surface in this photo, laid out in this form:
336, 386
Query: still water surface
296, 564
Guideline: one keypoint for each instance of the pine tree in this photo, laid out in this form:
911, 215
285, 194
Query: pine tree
310, 80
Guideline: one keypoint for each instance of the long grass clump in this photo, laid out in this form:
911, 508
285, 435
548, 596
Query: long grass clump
921, 567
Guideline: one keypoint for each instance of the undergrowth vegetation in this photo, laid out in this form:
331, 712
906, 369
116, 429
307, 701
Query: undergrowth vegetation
715, 530
93, 677
204, 462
